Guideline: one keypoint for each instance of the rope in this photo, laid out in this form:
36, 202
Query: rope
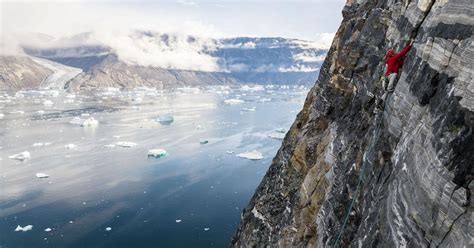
373, 142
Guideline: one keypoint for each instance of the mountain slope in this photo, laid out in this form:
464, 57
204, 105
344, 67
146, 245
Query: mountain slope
17, 72
346, 177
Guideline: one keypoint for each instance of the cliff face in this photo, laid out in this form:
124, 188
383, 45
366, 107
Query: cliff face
346, 176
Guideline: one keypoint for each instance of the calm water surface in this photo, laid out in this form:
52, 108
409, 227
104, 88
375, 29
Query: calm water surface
191, 198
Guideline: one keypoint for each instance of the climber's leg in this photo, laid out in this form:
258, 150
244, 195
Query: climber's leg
391, 82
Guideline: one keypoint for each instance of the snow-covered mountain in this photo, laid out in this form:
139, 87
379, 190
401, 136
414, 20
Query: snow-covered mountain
167, 60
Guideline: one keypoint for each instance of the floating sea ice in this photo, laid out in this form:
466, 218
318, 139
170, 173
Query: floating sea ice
70, 146
249, 109
22, 156
165, 119
280, 130
178, 221
2, 115
265, 99
253, 155
17, 112
108, 229
89, 122
41, 175
69, 101
40, 112
109, 146
38, 144
70, 96
126, 144
233, 101
48, 103
276, 135
207, 228
48, 229
23, 229
203, 141
157, 153
85, 114
230, 152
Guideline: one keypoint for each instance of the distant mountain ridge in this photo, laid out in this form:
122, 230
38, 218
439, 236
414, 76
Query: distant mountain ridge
169, 60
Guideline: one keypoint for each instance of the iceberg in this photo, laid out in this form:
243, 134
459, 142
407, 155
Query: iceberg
253, 155
280, 130
157, 153
108, 229
2, 115
70, 146
126, 144
109, 146
48, 229
41, 175
89, 122
203, 141
40, 112
230, 152
233, 101
23, 229
276, 135
48, 103
22, 156
250, 88
178, 221
249, 109
207, 228
165, 119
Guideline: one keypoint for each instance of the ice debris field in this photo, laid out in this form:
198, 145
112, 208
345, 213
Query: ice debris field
114, 159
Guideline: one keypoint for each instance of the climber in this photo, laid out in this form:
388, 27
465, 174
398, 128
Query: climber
393, 61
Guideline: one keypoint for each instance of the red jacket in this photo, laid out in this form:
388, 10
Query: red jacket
396, 61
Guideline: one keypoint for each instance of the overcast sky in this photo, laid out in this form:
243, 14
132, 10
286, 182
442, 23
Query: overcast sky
302, 19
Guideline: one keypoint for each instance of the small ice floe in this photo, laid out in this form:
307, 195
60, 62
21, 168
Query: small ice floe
233, 101
69, 101
17, 112
41, 144
48, 229
70, 146
23, 229
253, 155
85, 114
108, 229
207, 229
22, 156
126, 144
40, 112
48, 103
276, 135
230, 152
178, 221
249, 109
2, 115
203, 141
70, 96
41, 175
157, 153
109, 146
280, 130
404, 167
165, 119
89, 122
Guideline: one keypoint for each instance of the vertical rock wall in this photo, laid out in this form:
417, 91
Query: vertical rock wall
346, 177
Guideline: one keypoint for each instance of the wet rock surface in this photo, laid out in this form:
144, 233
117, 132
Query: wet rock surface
348, 177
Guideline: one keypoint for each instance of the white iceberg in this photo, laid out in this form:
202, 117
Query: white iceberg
48, 229
108, 229
109, 146
252, 88
40, 112
48, 103
230, 152
280, 130
178, 221
2, 115
278, 136
249, 109
89, 122
157, 153
23, 229
22, 156
70, 146
69, 101
253, 155
207, 228
126, 144
233, 101
41, 175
